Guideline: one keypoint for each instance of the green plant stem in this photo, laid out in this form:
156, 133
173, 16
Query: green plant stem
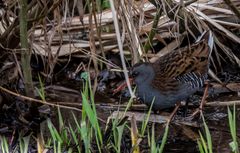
153, 30
26, 53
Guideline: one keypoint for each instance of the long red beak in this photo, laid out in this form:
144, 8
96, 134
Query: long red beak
122, 86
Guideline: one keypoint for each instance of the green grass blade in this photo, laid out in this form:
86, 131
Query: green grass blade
164, 139
54, 133
233, 130
75, 139
200, 147
120, 130
4, 144
24, 144
153, 147
145, 122
92, 116
41, 91
203, 143
59, 147
85, 136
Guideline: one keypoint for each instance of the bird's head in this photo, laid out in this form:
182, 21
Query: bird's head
141, 72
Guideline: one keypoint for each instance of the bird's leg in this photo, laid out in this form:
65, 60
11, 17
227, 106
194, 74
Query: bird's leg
185, 109
205, 94
174, 111
203, 101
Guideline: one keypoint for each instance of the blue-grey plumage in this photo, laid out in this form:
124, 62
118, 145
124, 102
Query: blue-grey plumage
175, 76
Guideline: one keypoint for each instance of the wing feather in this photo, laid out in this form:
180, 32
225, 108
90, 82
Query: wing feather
186, 65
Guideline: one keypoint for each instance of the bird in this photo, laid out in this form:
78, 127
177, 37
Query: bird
174, 76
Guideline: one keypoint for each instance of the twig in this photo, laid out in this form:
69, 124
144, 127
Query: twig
37, 100
233, 7
223, 103
174, 112
120, 46
203, 103
99, 58
43, 102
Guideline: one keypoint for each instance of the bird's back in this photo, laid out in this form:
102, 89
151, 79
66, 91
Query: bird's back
187, 65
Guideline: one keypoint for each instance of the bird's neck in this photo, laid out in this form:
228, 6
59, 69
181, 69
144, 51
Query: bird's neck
145, 85
146, 78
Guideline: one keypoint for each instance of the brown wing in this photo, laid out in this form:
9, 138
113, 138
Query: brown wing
179, 63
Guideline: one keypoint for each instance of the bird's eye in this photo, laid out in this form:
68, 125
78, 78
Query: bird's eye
135, 73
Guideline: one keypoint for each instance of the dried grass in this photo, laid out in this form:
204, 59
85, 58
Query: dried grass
92, 34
